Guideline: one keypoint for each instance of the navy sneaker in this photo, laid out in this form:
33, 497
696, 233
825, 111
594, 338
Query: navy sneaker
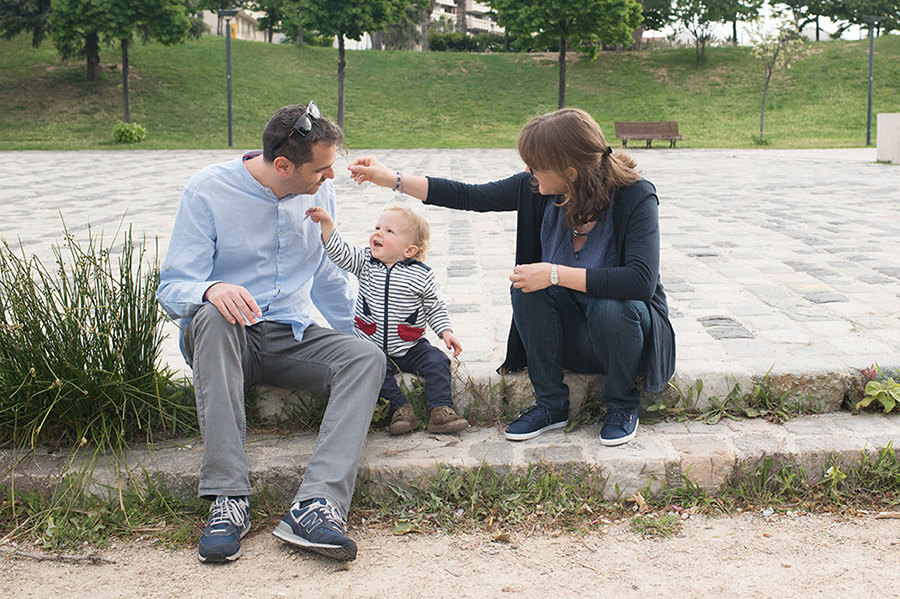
316, 525
228, 522
534, 421
619, 427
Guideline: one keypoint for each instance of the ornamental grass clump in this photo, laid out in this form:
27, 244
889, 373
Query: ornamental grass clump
80, 346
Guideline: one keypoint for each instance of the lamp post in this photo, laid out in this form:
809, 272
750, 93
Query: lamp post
872, 21
228, 15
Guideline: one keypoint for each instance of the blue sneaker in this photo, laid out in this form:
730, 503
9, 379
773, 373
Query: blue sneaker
534, 421
228, 523
619, 427
316, 525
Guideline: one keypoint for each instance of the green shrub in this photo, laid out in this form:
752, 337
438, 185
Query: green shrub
462, 42
79, 348
128, 133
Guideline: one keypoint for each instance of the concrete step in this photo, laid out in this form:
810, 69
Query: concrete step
662, 453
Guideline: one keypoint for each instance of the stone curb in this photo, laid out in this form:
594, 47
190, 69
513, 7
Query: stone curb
663, 453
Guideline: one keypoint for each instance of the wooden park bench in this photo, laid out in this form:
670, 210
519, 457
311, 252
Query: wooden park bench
647, 130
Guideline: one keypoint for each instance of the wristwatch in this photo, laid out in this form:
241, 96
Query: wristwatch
554, 276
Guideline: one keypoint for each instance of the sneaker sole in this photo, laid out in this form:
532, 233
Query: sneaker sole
227, 558
533, 434
620, 440
345, 554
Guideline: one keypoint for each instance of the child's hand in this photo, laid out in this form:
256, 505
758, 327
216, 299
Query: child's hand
321, 216
452, 342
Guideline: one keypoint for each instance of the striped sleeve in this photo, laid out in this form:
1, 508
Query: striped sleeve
435, 311
351, 259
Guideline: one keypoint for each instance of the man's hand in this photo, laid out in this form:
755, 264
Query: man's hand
369, 168
234, 303
319, 215
452, 342
531, 277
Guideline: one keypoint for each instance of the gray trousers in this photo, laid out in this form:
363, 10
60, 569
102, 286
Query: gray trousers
226, 358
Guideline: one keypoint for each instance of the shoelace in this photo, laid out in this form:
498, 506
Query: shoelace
330, 512
618, 417
226, 509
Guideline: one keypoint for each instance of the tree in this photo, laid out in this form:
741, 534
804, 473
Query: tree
656, 13
777, 50
585, 24
274, 14
348, 19
739, 10
804, 12
165, 21
853, 12
697, 17
18, 16
78, 27
407, 32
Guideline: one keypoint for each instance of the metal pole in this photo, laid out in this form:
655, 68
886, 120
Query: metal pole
228, 78
872, 21
869, 113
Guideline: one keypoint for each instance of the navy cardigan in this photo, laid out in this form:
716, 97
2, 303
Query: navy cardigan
636, 226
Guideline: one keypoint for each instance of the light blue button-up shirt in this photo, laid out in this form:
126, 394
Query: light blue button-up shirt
230, 228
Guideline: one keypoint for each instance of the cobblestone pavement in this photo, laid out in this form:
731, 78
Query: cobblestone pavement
773, 260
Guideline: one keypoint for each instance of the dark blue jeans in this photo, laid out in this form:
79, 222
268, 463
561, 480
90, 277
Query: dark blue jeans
607, 336
427, 361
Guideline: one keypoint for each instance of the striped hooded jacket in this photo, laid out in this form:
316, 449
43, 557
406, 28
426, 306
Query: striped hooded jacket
393, 304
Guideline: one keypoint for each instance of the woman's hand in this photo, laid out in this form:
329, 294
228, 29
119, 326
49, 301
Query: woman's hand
531, 277
319, 215
369, 168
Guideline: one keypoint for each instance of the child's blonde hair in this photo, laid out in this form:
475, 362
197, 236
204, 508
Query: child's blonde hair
421, 231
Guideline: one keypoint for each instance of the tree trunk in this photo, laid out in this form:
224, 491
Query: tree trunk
300, 36
271, 32
563, 40
426, 26
461, 25
734, 33
638, 36
762, 110
126, 96
341, 65
92, 54
817, 28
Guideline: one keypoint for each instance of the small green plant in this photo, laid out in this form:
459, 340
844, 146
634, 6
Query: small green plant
683, 405
884, 390
80, 346
659, 526
128, 133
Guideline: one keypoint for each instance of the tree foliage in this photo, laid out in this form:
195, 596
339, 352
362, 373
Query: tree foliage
77, 27
585, 24
24, 16
854, 12
657, 14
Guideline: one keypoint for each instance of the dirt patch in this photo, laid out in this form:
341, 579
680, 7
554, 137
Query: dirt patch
745, 555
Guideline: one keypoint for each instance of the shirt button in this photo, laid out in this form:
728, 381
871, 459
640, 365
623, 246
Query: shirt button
281, 232
281, 259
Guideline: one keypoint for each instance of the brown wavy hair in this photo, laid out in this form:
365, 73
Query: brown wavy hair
570, 137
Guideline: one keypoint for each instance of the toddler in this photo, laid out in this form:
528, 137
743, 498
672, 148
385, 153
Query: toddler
397, 296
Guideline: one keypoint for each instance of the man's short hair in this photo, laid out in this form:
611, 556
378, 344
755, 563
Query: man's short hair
279, 139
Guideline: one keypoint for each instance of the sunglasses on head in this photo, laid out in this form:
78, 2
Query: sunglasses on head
303, 125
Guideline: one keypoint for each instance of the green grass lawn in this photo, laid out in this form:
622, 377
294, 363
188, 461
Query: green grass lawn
438, 100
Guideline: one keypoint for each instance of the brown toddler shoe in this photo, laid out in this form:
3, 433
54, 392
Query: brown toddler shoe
404, 420
444, 420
